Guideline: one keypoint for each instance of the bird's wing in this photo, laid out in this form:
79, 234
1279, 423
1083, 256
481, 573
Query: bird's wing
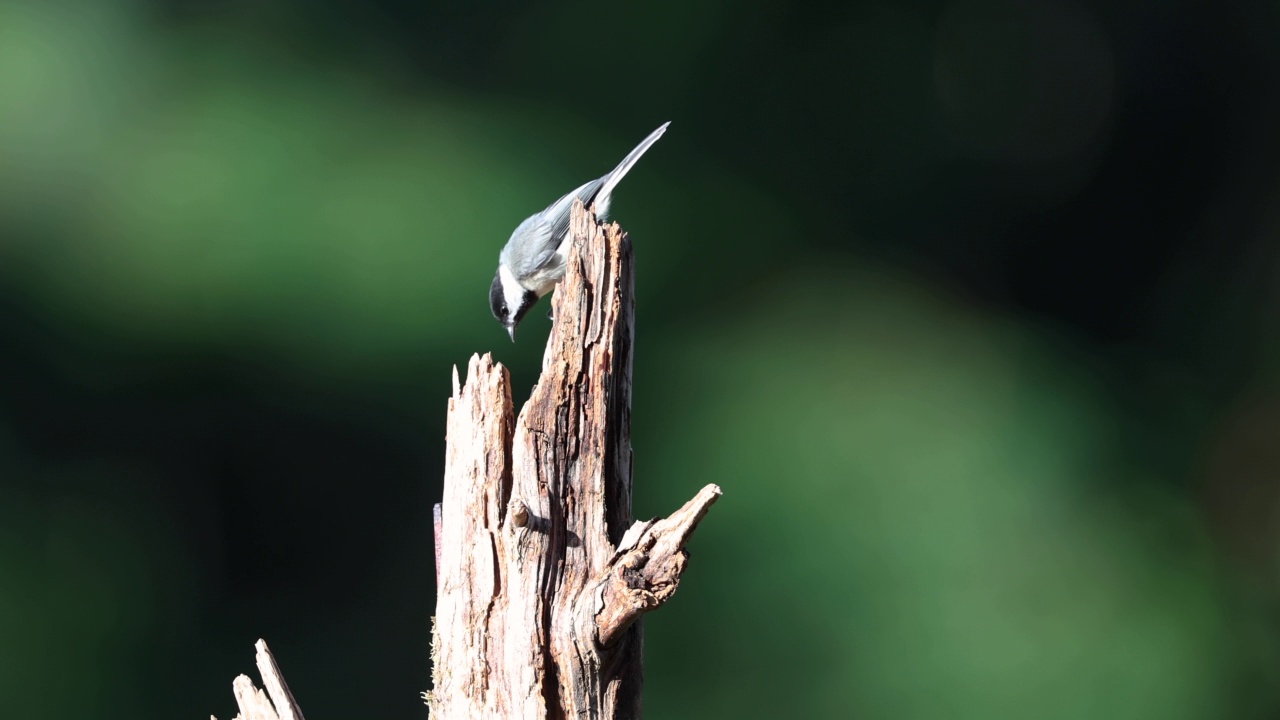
542, 234
557, 214
598, 191
535, 249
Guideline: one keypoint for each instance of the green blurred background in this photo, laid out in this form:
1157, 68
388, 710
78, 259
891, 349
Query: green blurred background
972, 307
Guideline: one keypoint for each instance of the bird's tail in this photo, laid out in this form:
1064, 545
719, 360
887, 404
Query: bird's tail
612, 179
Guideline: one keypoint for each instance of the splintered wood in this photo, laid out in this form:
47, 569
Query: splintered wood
276, 703
543, 574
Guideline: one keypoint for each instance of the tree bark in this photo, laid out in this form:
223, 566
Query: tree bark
542, 574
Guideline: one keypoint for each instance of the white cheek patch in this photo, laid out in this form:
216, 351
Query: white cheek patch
512, 290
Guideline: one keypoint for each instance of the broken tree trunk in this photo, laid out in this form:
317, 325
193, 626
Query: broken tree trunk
542, 575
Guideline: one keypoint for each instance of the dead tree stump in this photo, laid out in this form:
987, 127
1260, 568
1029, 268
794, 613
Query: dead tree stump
542, 574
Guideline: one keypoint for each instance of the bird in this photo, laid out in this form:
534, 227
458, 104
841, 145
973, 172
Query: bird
533, 260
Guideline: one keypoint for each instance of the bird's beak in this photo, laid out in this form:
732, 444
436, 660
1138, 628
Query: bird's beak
511, 330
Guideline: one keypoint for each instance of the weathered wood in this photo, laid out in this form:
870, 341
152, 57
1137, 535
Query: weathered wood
543, 576
276, 703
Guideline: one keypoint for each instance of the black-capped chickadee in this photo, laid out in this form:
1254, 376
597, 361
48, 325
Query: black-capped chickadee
533, 260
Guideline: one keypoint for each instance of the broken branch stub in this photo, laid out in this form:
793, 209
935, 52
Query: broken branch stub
275, 703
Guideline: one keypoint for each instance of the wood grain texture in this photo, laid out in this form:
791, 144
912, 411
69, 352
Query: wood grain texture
542, 573
275, 703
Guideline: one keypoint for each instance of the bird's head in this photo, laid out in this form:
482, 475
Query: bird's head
509, 300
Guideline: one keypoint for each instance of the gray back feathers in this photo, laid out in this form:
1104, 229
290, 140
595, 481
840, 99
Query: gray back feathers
533, 245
